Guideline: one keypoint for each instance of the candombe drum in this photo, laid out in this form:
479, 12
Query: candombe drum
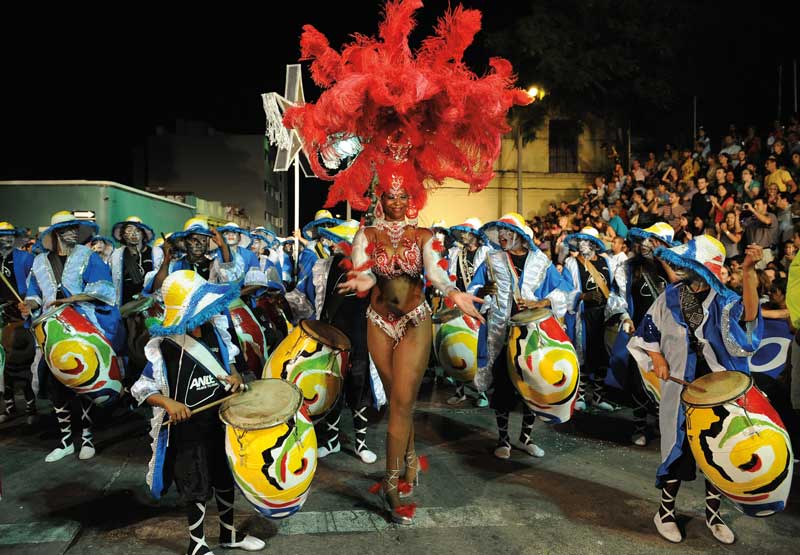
270, 446
314, 357
251, 338
542, 364
78, 354
455, 343
739, 442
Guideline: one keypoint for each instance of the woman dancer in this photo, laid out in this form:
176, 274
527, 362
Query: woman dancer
403, 120
389, 258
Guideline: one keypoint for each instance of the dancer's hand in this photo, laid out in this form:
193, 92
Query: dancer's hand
359, 282
465, 302
628, 327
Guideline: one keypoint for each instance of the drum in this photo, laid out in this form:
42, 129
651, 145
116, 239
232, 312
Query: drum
271, 314
543, 364
270, 446
78, 354
252, 341
455, 343
739, 442
314, 358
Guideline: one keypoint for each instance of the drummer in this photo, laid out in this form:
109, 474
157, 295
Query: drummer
724, 330
269, 252
238, 240
134, 259
588, 271
15, 265
195, 240
316, 297
192, 451
516, 278
469, 250
68, 272
316, 247
639, 281
103, 246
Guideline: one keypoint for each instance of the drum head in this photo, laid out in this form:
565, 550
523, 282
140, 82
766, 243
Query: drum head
136, 305
721, 387
446, 314
47, 315
525, 317
326, 334
266, 403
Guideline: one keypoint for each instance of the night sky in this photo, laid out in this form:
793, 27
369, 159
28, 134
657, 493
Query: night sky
81, 90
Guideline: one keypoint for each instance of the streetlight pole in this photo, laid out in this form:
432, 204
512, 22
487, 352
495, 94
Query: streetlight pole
519, 166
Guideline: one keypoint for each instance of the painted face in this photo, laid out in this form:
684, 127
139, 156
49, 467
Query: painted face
133, 236
68, 236
196, 245
99, 247
257, 246
586, 248
327, 243
6, 242
647, 248
395, 204
231, 238
509, 240
468, 240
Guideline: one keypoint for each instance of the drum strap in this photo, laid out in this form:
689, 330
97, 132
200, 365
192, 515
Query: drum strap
601, 283
465, 267
200, 354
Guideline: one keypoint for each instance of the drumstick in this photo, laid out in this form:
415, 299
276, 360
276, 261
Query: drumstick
684, 383
211, 405
10, 288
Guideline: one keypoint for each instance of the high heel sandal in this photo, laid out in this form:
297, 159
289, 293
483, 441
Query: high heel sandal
402, 514
418, 464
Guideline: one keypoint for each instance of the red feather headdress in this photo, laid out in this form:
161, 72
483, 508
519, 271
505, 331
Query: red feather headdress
413, 118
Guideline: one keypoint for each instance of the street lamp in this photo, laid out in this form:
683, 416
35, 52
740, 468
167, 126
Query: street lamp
536, 93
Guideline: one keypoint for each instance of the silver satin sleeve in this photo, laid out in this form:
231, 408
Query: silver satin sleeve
359, 254
559, 302
220, 322
227, 272
301, 306
617, 300
497, 319
571, 297
438, 276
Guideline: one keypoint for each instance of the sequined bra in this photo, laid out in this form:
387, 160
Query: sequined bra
406, 260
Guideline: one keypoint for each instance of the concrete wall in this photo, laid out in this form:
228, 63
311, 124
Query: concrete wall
453, 203
216, 167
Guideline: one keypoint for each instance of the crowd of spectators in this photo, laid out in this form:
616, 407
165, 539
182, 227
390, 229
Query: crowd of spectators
742, 190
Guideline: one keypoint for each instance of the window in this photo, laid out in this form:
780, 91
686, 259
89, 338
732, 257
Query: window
564, 146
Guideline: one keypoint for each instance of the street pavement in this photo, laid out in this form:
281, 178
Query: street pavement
593, 492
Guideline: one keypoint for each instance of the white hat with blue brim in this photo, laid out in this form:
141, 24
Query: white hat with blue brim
63, 219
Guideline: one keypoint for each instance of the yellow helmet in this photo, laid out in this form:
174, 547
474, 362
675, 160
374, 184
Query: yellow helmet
7, 229
190, 301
